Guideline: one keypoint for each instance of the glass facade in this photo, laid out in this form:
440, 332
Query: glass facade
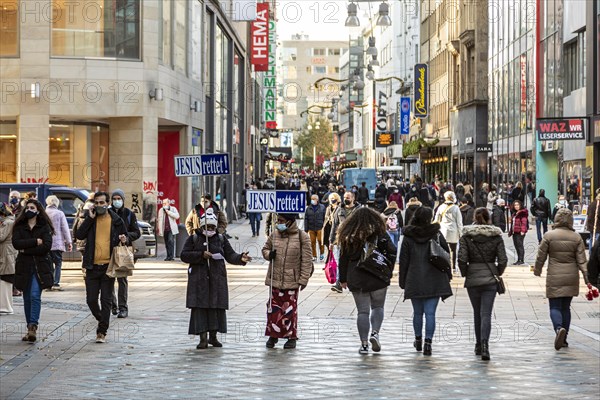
9, 28
96, 28
8, 152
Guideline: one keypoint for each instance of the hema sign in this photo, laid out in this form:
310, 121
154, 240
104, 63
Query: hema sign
560, 129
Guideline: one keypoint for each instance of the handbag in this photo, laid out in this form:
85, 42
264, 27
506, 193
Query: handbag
500, 287
376, 264
121, 262
438, 256
331, 268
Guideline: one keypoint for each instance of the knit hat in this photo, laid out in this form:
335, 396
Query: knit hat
117, 192
450, 196
209, 218
500, 202
289, 217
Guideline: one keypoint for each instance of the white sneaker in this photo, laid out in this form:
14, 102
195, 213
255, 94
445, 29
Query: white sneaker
100, 338
375, 345
363, 349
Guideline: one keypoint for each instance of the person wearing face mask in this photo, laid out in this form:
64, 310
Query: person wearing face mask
103, 230
562, 203
8, 256
314, 219
290, 267
61, 241
192, 221
396, 197
334, 202
119, 302
14, 201
32, 237
207, 293
167, 226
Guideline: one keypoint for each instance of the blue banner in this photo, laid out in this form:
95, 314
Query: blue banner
278, 201
405, 115
202, 165
421, 91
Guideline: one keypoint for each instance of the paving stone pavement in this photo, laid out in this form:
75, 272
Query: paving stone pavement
149, 355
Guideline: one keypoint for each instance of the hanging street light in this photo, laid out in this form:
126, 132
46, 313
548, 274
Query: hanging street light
352, 20
384, 15
371, 50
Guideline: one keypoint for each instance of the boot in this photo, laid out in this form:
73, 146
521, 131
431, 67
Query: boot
31, 333
271, 342
485, 350
427, 347
203, 341
478, 348
212, 339
290, 344
418, 343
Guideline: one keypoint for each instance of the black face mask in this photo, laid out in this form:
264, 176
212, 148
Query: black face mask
100, 210
30, 214
347, 202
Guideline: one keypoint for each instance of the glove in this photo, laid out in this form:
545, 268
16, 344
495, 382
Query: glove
272, 255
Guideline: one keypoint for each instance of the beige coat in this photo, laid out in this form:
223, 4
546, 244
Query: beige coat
8, 254
565, 251
293, 264
192, 222
173, 216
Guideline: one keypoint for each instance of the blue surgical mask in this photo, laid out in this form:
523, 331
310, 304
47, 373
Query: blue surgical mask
313, 202
14, 201
281, 227
117, 203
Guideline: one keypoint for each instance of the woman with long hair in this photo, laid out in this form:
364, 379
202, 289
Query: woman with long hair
363, 238
334, 202
423, 283
481, 258
32, 236
518, 230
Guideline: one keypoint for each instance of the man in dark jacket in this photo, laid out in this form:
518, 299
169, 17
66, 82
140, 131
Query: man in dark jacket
499, 214
467, 211
102, 229
540, 208
363, 194
133, 234
593, 219
314, 218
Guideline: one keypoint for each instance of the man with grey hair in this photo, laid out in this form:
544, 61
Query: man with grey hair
14, 200
61, 240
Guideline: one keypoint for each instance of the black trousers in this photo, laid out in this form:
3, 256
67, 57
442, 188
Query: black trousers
453, 255
482, 299
169, 244
123, 287
518, 241
98, 283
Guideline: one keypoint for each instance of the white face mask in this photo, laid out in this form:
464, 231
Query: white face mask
209, 233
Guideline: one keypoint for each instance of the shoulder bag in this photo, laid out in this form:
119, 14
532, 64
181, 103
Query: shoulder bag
376, 264
438, 256
500, 287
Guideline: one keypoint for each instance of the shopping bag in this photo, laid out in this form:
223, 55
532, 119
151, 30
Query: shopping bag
121, 262
331, 269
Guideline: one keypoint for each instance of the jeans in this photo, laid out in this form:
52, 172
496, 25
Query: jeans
560, 312
169, 244
394, 237
32, 300
123, 287
254, 223
453, 255
539, 222
56, 257
425, 306
98, 283
482, 299
518, 241
316, 237
369, 306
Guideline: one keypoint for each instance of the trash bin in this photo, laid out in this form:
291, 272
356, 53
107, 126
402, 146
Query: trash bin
180, 239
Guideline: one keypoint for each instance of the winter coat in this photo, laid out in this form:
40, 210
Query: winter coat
207, 279
593, 217
314, 217
417, 276
520, 222
363, 195
451, 223
381, 191
358, 279
293, 265
467, 213
62, 234
540, 208
460, 191
491, 199
8, 254
593, 265
565, 252
172, 217
397, 197
517, 194
339, 216
481, 244
499, 217
192, 221
33, 258
87, 231
379, 204
130, 220
79, 218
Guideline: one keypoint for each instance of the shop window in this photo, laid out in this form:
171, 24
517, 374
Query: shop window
8, 152
9, 28
318, 52
180, 36
319, 70
96, 28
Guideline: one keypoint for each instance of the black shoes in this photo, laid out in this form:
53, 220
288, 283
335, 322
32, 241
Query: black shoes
114, 311
559, 341
478, 349
169, 259
337, 288
271, 342
427, 347
213, 341
203, 341
122, 314
418, 343
290, 344
485, 350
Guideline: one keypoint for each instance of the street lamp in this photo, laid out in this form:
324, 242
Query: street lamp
382, 20
352, 20
384, 15
371, 50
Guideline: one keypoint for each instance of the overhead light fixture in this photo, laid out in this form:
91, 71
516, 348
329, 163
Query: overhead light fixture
359, 85
35, 90
372, 50
156, 94
352, 20
195, 106
370, 74
374, 62
384, 15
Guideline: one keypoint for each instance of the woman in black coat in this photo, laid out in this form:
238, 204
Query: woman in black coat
207, 291
361, 236
32, 236
422, 282
593, 265
481, 257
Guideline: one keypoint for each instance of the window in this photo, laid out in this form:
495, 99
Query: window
9, 28
8, 152
334, 52
289, 53
165, 32
196, 40
319, 70
318, 52
96, 28
308, 70
333, 70
575, 64
180, 36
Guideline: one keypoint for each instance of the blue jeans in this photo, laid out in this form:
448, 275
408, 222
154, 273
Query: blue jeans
395, 237
254, 223
56, 257
538, 225
560, 312
428, 307
32, 300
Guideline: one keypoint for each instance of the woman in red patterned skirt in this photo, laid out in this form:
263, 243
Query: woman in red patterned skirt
289, 251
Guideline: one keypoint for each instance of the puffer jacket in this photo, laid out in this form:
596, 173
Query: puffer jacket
8, 254
499, 217
451, 223
467, 213
62, 234
520, 223
293, 265
33, 259
314, 217
481, 244
417, 276
565, 252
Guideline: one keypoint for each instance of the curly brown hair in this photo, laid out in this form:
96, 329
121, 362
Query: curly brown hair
361, 226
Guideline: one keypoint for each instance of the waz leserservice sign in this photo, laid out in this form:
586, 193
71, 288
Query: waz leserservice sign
278, 201
421, 91
560, 129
